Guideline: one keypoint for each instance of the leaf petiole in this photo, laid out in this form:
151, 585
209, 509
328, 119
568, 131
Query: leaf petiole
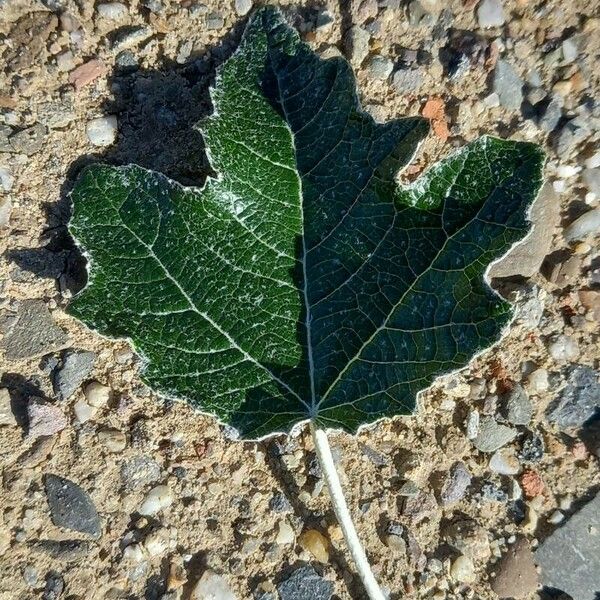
340, 507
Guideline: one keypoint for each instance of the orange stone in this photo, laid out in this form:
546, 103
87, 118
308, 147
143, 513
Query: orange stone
532, 484
86, 73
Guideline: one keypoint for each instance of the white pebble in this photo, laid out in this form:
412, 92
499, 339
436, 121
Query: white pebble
593, 161
285, 535
7, 416
113, 440
157, 499
65, 61
504, 462
156, 543
556, 517
566, 171
588, 223
243, 7
212, 587
102, 131
472, 425
97, 394
111, 10
133, 553
564, 348
83, 411
537, 381
463, 570
490, 13
6, 179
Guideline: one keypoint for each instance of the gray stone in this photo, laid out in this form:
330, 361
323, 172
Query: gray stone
551, 114
578, 401
492, 435
516, 406
6, 181
508, 85
583, 226
32, 332
7, 416
71, 507
380, 67
56, 115
417, 15
5, 133
526, 258
155, 6
44, 418
54, 587
212, 586
591, 179
407, 80
243, 7
570, 557
130, 37
63, 550
357, 45
139, 471
76, 366
490, 13
214, 20
28, 141
305, 584
456, 484
571, 135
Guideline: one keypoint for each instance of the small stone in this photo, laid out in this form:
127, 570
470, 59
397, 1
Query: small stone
578, 401
537, 381
65, 61
7, 417
516, 406
128, 38
591, 180
96, 394
214, 21
357, 45
243, 7
508, 85
504, 462
472, 424
305, 584
83, 411
463, 570
380, 67
279, 503
67, 551
556, 517
113, 11
395, 543
28, 141
532, 484
6, 180
569, 50
70, 506
588, 223
532, 449
316, 543
157, 499
102, 131
516, 575
490, 13
5, 208
407, 80
564, 348
492, 435
113, 440
456, 484
212, 586
570, 557
156, 542
38, 453
285, 534
139, 471
87, 73
325, 21
54, 587
76, 366
44, 418
154, 6
492, 492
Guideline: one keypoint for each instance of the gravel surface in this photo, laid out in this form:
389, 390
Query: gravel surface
451, 503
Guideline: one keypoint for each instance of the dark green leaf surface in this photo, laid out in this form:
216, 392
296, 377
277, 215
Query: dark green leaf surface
302, 282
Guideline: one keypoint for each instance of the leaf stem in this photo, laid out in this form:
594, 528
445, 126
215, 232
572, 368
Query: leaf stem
342, 513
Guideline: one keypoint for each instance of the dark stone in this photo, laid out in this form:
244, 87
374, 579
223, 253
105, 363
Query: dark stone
570, 557
579, 401
516, 407
76, 366
550, 113
63, 550
279, 503
54, 586
532, 449
71, 507
305, 584
464, 50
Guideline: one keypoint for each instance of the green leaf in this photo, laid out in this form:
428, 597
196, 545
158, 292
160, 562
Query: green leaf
303, 281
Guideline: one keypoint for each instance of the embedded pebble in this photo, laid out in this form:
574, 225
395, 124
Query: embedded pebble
44, 418
96, 394
516, 574
157, 499
585, 225
65, 61
71, 506
357, 45
380, 67
243, 7
305, 584
504, 462
493, 435
102, 131
564, 348
139, 471
75, 367
6, 181
113, 11
316, 543
7, 416
490, 13
463, 570
516, 406
214, 21
212, 586
456, 484
83, 411
537, 381
113, 440
507, 85
285, 533
472, 424
130, 37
